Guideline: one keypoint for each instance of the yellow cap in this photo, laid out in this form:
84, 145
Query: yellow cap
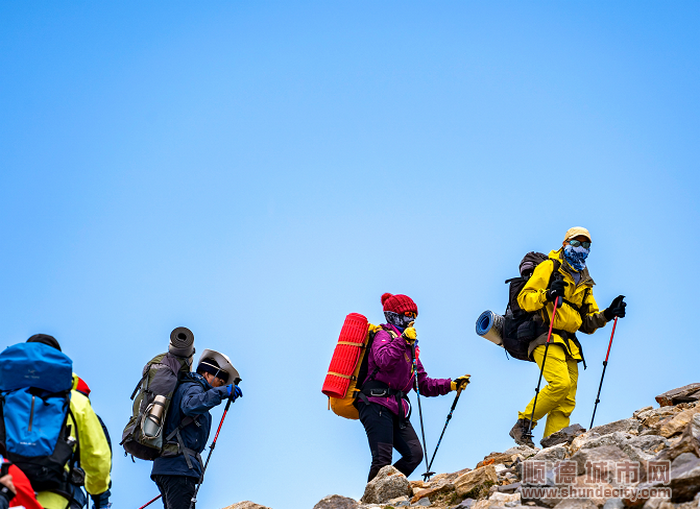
576, 231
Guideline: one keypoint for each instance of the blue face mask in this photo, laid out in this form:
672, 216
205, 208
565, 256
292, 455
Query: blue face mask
576, 256
397, 320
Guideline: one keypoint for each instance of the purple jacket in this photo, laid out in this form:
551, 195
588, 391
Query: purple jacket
392, 357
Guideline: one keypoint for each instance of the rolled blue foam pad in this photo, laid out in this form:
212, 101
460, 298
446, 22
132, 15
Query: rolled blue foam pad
485, 322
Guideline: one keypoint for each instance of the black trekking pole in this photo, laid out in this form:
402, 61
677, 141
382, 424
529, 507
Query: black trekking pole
211, 449
428, 473
150, 502
544, 359
420, 410
605, 365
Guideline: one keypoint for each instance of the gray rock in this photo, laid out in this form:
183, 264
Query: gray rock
637, 448
423, 502
509, 488
337, 502
388, 484
616, 438
631, 425
563, 436
552, 454
466, 503
606, 453
576, 503
522, 450
614, 503
685, 477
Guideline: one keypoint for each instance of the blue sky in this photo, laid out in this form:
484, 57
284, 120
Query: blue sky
257, 170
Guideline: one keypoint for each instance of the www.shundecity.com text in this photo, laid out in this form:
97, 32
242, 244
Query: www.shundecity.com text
599, 479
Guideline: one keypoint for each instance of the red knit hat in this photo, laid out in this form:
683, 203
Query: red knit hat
399, 303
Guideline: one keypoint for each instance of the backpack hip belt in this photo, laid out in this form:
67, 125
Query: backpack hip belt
377, 389
571, 337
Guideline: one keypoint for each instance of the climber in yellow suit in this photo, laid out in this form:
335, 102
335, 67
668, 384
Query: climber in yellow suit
578, 312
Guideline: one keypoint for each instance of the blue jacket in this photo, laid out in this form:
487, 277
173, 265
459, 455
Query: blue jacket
194, 397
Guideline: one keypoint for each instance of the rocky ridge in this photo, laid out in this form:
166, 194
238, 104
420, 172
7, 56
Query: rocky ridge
648, 461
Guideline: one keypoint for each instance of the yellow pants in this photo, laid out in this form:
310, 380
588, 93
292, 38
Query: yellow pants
558, 399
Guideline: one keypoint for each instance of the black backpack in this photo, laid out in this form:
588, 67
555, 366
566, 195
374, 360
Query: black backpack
520, 327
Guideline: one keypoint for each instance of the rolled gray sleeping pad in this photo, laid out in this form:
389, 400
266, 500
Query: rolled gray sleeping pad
489, 325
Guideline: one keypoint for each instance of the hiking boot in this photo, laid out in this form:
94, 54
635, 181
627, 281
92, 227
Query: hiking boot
519, 433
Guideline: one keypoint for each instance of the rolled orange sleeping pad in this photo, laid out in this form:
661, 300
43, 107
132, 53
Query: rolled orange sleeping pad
346, 356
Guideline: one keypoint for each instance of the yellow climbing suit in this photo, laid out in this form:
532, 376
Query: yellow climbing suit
579, 312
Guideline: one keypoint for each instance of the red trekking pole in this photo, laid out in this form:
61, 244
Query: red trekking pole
150, 502
544, 359
211, 449
605, 365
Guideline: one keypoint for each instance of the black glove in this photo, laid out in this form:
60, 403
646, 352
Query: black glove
616, 308
556, 289
6, 492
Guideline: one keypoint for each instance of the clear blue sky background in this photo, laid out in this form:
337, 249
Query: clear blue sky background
257, 170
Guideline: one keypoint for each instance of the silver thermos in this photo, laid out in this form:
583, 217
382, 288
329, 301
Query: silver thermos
153, 418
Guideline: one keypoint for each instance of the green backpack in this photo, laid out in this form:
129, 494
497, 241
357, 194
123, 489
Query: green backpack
143, 434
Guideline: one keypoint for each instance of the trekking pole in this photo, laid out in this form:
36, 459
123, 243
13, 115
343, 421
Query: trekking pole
428, 473
420, 410
544, 359
605, 365
211, 449
150, 502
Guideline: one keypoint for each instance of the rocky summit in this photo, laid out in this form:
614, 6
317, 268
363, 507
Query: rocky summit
648, 461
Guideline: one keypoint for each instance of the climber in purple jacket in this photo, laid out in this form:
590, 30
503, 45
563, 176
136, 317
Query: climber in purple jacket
383, 405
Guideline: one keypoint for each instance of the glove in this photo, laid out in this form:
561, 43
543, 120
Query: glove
460, 383
234, 392
409, 335
617, 308
556, 289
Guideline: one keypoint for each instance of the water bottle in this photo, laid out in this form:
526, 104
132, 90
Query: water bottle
153, 419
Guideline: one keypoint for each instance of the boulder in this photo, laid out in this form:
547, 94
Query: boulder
432, 491
498, 499
614, 503
337, 502
476, 482
689, 441
631, 425
563, 436
685, 477
653, 417
678, 423
388, 484
551, 454
498, 458
606, 455
522, 451
247, 504
680, 395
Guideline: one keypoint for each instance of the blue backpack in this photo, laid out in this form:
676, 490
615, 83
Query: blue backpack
35, 388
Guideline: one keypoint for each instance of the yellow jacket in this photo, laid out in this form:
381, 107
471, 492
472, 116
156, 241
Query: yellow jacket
95, 455
587, 318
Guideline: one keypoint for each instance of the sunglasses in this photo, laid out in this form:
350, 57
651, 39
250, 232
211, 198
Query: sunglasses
577, 243
410, 314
